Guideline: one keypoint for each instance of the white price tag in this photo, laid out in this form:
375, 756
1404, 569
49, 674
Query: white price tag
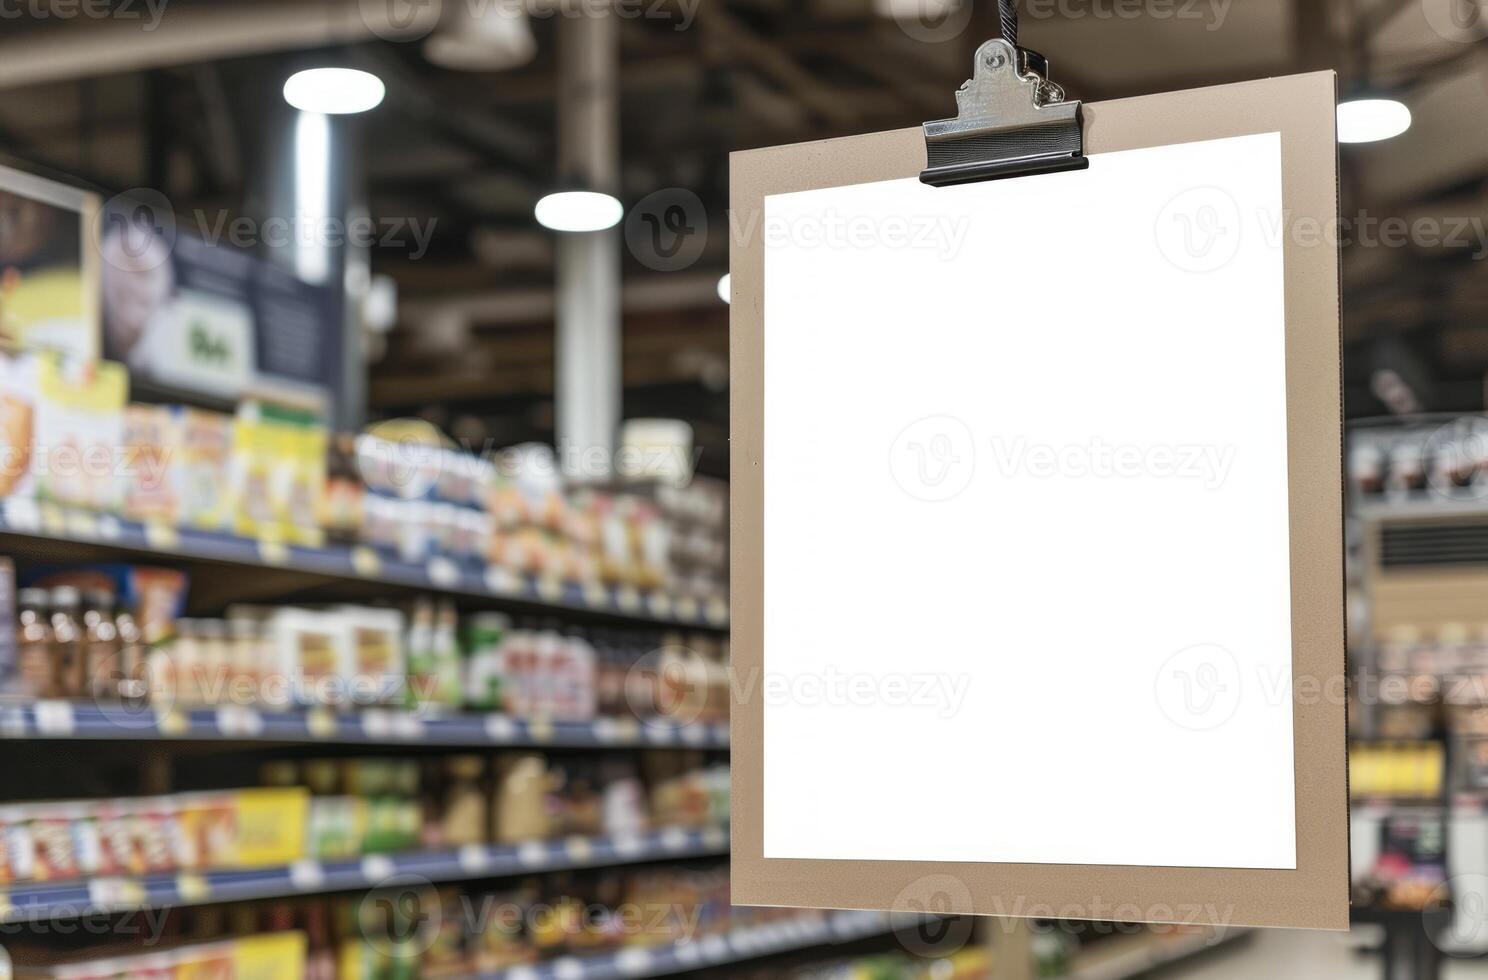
236, 721
115, 892
629, 845
23, 515
321, 723
715, 838
162, 537
193, 888
366, 562
109, 528
687, 608
550, 588
715, 949
580, 849
55, 719
694, 734
408, 726
634, 962
307, 875
500, 729
444, 573
501, 580
717, 611
273, 552
533, 854
675, 839
377, 868
627, 599
377, 724
568, 968
660, 605
595, 595
474, 858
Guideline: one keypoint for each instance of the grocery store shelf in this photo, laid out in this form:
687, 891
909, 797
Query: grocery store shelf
82, 721
737, 946
26, 520
34, 901
1422, 506
1130, 956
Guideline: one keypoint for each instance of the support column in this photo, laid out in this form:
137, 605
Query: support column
587, 347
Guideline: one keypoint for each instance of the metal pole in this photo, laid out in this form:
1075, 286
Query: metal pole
587, 349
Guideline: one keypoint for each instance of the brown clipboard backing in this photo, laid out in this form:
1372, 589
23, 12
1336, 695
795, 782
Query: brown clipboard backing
1314, 895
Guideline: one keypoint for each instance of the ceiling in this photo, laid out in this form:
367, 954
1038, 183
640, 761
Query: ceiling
190, 106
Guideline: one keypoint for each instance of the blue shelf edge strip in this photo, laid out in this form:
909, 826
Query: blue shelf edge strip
64, 900
85, 721
737, 946
438, 574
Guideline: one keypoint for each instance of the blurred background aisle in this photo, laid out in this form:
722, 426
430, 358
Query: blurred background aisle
364, 477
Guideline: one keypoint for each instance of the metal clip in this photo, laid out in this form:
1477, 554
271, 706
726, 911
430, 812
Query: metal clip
1011, 121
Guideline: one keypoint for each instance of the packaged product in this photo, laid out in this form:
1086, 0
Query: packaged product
54, 855
372, 648
307, 658
523, 783
270, 826
484, 661
201, 467
17, 420
148, 483
79, 429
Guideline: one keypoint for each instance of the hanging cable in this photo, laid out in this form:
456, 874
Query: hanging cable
1007, 19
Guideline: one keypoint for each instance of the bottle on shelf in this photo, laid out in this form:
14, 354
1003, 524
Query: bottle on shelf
36, 656
101, 662
67, 640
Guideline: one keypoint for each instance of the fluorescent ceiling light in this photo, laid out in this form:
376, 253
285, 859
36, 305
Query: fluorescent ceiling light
334, 91
579, 211
726, 288
1372, 120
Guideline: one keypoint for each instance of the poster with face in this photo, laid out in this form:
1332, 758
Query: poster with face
48, 275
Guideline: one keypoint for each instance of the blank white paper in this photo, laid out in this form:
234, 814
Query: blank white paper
1027, 593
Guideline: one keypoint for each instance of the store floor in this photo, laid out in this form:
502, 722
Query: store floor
1293, 955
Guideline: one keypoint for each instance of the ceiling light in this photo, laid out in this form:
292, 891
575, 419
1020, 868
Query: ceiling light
334, 91
726, 288
1371, 120
579, 211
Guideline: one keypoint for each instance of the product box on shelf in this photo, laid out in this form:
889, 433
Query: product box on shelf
79, 432
280, 956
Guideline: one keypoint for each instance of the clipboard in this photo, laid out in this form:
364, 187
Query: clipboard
1312, 889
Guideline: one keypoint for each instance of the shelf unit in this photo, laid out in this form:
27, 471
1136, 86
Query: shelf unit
33, 526
41, 900
737, 946
57, 720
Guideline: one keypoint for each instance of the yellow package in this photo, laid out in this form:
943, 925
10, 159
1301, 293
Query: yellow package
270, 826
277, 956
78, 432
